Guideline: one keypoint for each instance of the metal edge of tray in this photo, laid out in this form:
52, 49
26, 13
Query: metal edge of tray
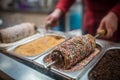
7, 45
77, 74
39, 61
30, 64
42, 31
111, 46
11, 49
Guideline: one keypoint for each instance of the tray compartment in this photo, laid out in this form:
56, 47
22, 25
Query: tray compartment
75, 74
12, 49
108, 66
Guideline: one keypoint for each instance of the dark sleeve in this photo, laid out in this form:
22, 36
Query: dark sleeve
64, 5
116, 9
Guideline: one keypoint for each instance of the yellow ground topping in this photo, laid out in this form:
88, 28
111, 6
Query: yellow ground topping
39, 46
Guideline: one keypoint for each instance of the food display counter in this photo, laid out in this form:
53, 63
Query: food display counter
22, 67
19, 71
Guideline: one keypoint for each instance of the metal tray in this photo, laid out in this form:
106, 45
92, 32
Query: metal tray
112, 46
7, 45
76, 74
40, 32
11, 49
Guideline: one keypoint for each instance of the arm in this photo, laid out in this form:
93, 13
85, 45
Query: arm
61, 8
110, 21
64, 5
116, 10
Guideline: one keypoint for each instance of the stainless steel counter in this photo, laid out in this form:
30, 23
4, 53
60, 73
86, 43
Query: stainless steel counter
20, 68
17, 66
19, 71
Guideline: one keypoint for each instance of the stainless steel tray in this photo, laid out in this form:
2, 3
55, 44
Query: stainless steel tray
111, 46
40, 32
11, 49
76, 74
7, 45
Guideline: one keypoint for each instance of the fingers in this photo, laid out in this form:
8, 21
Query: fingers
109, 27
109, 33
51, 21
109, 23
101, 27
53, 18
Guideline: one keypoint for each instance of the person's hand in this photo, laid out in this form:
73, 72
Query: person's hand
53, 18
109, 23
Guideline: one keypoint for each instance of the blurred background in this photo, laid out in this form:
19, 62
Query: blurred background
13, 12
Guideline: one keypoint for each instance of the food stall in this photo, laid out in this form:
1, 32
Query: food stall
29, 52
28, 56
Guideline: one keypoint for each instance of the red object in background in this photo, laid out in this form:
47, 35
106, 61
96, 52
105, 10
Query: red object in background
95, 10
